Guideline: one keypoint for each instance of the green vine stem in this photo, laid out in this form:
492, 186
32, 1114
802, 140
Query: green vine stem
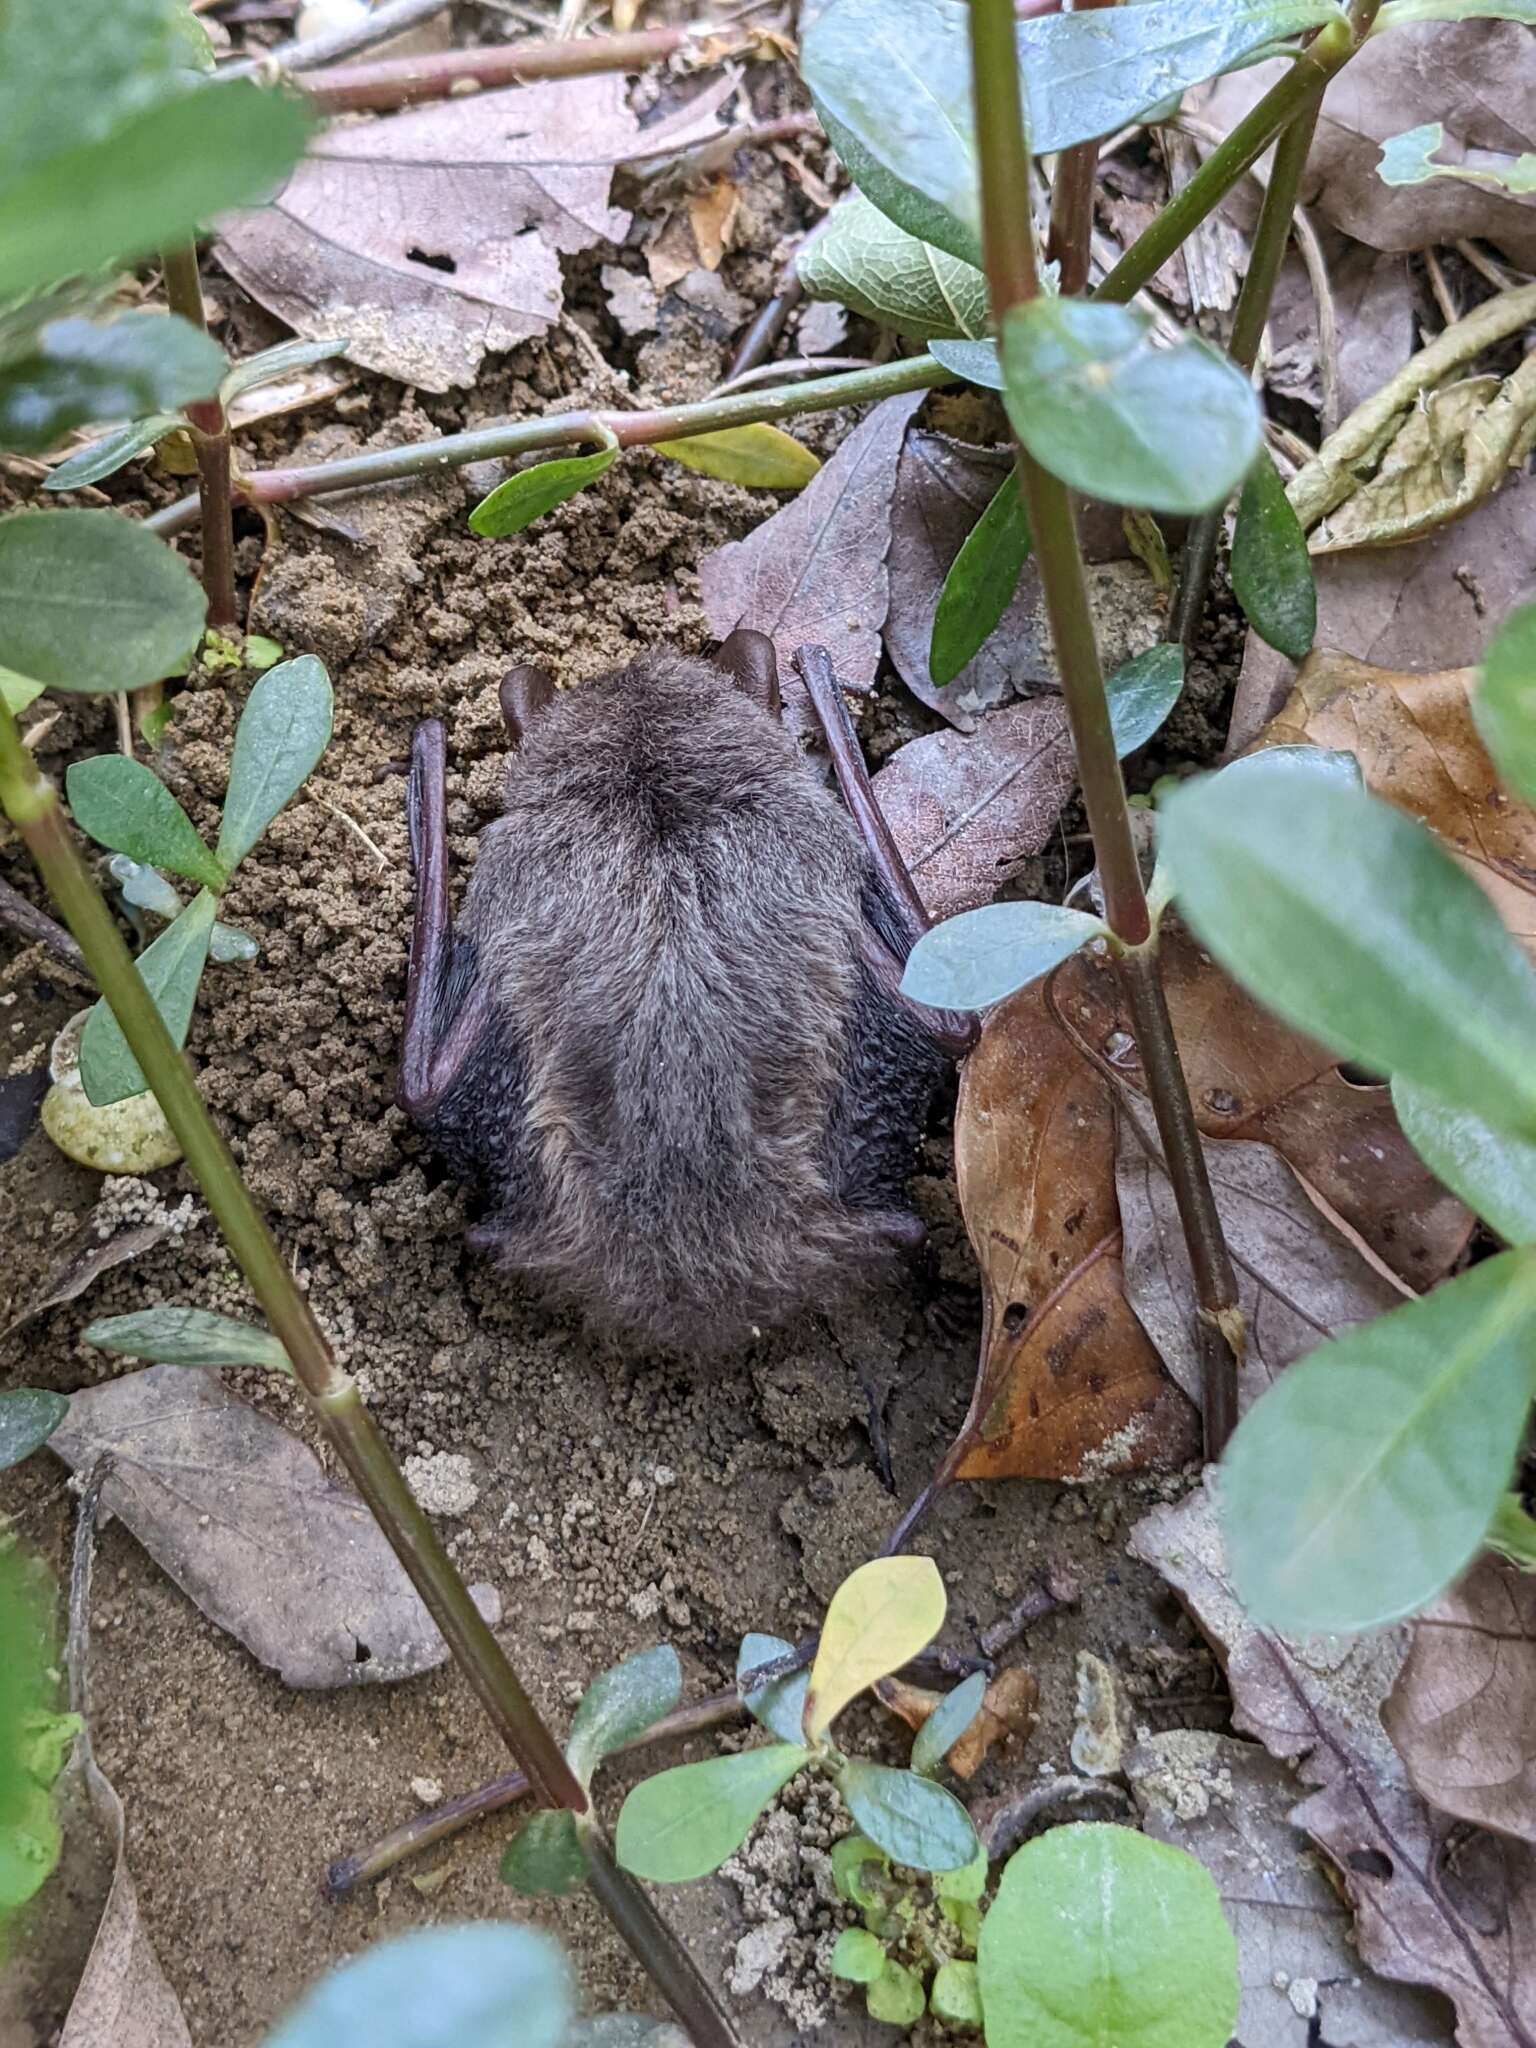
1013, 279
210, 436
32, 806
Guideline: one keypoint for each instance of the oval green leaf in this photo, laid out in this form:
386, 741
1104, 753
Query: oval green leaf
1363, 1480
981, 581
187, 1336
955, 1996
92, 601
75, 372
896, 1996
858, 1956
108, 454
170, 969
1352, 923
1504, 702
280, 361
1098, 1934
1512, 1533
441, 1987
1493, 1171
866, 262
619, 1705
1271, 569
880, 1615
683, 1823
948, 1722
125, 806
1142, 692
760, 457
912, 1819
977, 362
283, 730
544, 1859
780, 1704
980, 956
533, 492
1095, 403
28, 1417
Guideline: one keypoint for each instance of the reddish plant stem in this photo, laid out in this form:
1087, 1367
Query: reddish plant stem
184, 292
1072, 194
409, 81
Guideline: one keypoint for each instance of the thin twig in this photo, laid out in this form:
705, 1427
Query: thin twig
37, 926
392, 82
1442, 291
392, 19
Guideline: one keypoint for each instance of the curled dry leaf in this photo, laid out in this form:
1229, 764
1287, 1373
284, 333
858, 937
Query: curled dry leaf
1228, 1803
1417, 746
101, 1245
1436, 1903
1478, 77
435, 235
1460, 1713
815, 572
240, 1514
968, 809
1009, 1709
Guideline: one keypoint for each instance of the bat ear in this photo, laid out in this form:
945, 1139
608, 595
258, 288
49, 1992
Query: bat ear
750, 662
525, 694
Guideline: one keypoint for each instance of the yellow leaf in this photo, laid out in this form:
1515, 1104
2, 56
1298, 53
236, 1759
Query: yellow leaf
763, 458
880, 1615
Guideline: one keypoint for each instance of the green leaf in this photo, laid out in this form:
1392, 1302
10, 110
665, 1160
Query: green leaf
981, 581
980, 956
119, 57
963, 1887
150, 181
1095, 403
948, 1722
1099, 1935
187, 1336
1504, 702
955, 1996
620, 1705
18, 691
544, 1859
280, 361
683, 1823
1512, 1533
28, 1417
865, 261
1405, 160
170, 969
283, 730
780, 1704
1493, 1171
896, 1996
101, 458
1271, 569
1352, 923
1398, 13
1363, 1480
92, 601
759, 457
533, 492
1142, 692
852, 1858
1328, 764
976, 361
125, 806
882, 1614
912, 1819
891, 81
477, 1986
857, 1957
78, 371
33, 1739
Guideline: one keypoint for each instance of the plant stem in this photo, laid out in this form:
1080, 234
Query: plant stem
571, 429
1327, 53
1270, 241
1072, 192
1012, 276
184, 291
409, 81
652, 1942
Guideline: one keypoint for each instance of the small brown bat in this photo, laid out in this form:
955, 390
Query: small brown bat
666, 1038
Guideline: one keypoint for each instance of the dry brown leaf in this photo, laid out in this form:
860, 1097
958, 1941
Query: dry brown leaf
297, 392
242, 1517
712, 214
1009, 1709
815, 571
1436, 1902
1300, 1279
1463, 1711
1477, 77
102, 1244
1416, 744
1373, 318
968, 809
434, 235
1228, 1804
